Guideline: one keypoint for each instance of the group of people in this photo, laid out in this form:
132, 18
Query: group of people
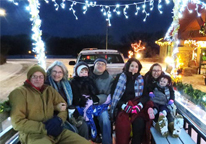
48, 108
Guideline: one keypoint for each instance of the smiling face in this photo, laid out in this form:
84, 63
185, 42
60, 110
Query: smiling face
57, 73
156, 71
37, 79
163, 82
133, 68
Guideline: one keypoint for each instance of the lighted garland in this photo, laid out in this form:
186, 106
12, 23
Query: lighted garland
39, 49
179, 7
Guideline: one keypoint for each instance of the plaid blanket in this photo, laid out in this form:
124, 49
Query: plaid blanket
121, 86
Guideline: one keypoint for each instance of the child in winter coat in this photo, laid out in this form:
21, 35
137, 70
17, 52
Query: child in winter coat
85, 99
163, 103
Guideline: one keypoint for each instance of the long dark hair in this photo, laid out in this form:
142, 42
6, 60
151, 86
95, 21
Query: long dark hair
148, 75
127, 65
151, 68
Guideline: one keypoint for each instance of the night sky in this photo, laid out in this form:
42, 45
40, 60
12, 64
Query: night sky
62, 23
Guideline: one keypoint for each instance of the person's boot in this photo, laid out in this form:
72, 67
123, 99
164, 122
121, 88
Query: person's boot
176, 126
162, 125
97, 140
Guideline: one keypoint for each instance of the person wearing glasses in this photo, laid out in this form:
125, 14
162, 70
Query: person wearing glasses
57, 77
32, 112
174, 123
103, 81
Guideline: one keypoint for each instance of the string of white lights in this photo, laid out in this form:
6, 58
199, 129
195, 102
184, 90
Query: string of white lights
14, 2
39, 49
180, 6
171, 35
108, 9
172, 32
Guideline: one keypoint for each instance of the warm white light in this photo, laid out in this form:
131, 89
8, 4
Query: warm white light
138, 56
2, 12
169, 60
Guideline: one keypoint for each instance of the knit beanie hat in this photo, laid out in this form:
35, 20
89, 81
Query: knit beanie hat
34, 69
101, 60
80, 68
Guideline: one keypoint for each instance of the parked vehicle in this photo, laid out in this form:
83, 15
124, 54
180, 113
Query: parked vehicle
115, 59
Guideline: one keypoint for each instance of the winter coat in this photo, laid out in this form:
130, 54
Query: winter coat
151, 83
30, 108
162, 95
129, 92
103, 83
83, 85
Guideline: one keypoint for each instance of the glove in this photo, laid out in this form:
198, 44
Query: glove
54, 126
136, 109
151, 94
83, 101
126, 108
170, 102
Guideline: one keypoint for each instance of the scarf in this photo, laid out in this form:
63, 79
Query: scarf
166, 91
121, 86
66, 87
27, 81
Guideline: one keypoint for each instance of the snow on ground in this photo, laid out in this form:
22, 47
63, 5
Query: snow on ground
9, 69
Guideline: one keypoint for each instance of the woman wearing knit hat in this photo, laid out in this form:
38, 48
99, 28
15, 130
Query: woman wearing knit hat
32, 109
57, 77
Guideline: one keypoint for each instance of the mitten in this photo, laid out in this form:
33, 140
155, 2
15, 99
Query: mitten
126, 108
54, 126
83, 101
170, 102
151, 94
136, 109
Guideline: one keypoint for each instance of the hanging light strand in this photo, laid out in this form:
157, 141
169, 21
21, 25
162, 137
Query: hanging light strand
72, 9
14, 2
108, 9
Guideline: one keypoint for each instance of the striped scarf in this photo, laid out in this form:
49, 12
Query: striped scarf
121, 86
66, 87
